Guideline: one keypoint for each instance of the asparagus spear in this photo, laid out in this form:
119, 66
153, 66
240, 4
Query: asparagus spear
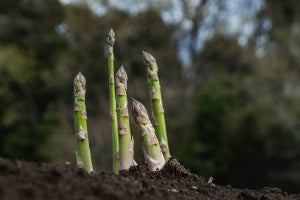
125, 139
113, 112
152, 151
83, 154
156, 103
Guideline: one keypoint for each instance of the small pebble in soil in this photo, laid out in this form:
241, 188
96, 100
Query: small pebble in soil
194, 187
173, 190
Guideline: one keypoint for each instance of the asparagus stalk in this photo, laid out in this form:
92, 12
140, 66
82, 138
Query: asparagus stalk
125, 139
152, 151
156, 103
83, 154
113, 112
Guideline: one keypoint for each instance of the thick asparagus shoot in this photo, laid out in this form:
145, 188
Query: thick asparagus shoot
156, 103
83, 154
113, 112
125, 139
152, 151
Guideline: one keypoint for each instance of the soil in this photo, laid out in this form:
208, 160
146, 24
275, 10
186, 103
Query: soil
30, 180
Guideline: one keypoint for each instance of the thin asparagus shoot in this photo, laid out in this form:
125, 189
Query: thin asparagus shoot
125, 139
152, 152
156, 103
113, 112
83, 154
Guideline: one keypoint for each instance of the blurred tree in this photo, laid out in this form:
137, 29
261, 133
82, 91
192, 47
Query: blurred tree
204, 150
249, 141
279, 49
221, 112
29, 45
31, 25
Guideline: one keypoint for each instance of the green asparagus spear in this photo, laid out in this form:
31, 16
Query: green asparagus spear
156, 103
152, 151
125, 139
113, 112
83, 154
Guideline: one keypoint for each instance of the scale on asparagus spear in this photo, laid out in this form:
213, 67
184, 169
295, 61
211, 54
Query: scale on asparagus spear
83, 154
156, 103
112, 95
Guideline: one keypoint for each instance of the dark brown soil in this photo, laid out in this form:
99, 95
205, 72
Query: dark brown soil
29, 180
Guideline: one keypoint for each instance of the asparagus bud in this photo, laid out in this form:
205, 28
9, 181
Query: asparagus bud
111, 38
125, 139
114, 123
83, 154
151, 149
156, 103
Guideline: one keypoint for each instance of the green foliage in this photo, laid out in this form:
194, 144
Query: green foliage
205, 151
28, 48
20, 122
241, 124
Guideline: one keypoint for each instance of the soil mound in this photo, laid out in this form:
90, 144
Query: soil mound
30, 180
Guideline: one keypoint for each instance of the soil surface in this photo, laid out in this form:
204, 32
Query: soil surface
30, 180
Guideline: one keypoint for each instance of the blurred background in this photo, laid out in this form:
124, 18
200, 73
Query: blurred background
229, 70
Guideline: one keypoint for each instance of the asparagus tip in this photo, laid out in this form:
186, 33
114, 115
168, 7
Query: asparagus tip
80, 78
136, 107
111, 37
148, 59
79, 83
79, 74
121, 75
139, 112
134, 102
